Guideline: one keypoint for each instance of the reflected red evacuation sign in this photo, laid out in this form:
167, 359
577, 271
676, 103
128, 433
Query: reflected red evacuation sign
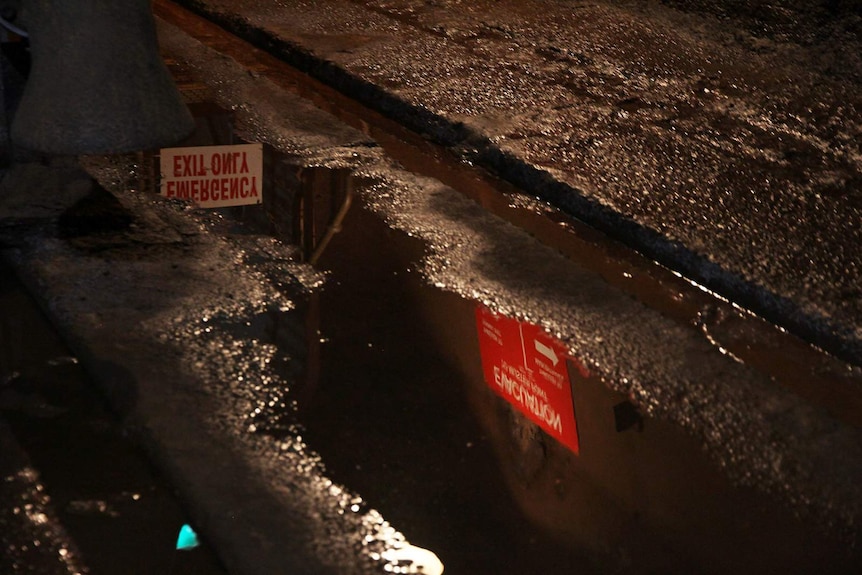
527, 367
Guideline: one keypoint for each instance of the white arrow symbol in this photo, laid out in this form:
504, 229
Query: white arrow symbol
547, 352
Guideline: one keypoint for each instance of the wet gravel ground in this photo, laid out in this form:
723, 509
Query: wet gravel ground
78, 496
31, 537
227, 330
721, 139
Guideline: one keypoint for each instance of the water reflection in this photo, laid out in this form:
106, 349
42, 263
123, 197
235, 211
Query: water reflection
644, 500
323, 204
371, 379
264, 354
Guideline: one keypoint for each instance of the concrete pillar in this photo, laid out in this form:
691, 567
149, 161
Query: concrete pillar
97, 84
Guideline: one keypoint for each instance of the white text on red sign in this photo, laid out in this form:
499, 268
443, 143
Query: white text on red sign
528, 368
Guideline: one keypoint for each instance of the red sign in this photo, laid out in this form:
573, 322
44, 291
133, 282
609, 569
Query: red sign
213, 176
527, 367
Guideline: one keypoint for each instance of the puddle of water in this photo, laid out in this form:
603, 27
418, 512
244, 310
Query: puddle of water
389, 417
393, 399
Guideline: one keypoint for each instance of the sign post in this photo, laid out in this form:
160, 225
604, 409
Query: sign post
527, 367
213, 176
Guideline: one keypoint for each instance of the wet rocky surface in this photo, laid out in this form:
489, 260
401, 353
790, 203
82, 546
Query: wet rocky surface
78, 495
33, 541
721, 140
299, 409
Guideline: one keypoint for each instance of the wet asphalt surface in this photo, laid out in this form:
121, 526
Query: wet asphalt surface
78, 494
338, 398
722, 141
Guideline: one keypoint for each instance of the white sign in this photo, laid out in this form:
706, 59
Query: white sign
213, 176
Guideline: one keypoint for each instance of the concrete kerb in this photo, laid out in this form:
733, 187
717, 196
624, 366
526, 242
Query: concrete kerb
828, 333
